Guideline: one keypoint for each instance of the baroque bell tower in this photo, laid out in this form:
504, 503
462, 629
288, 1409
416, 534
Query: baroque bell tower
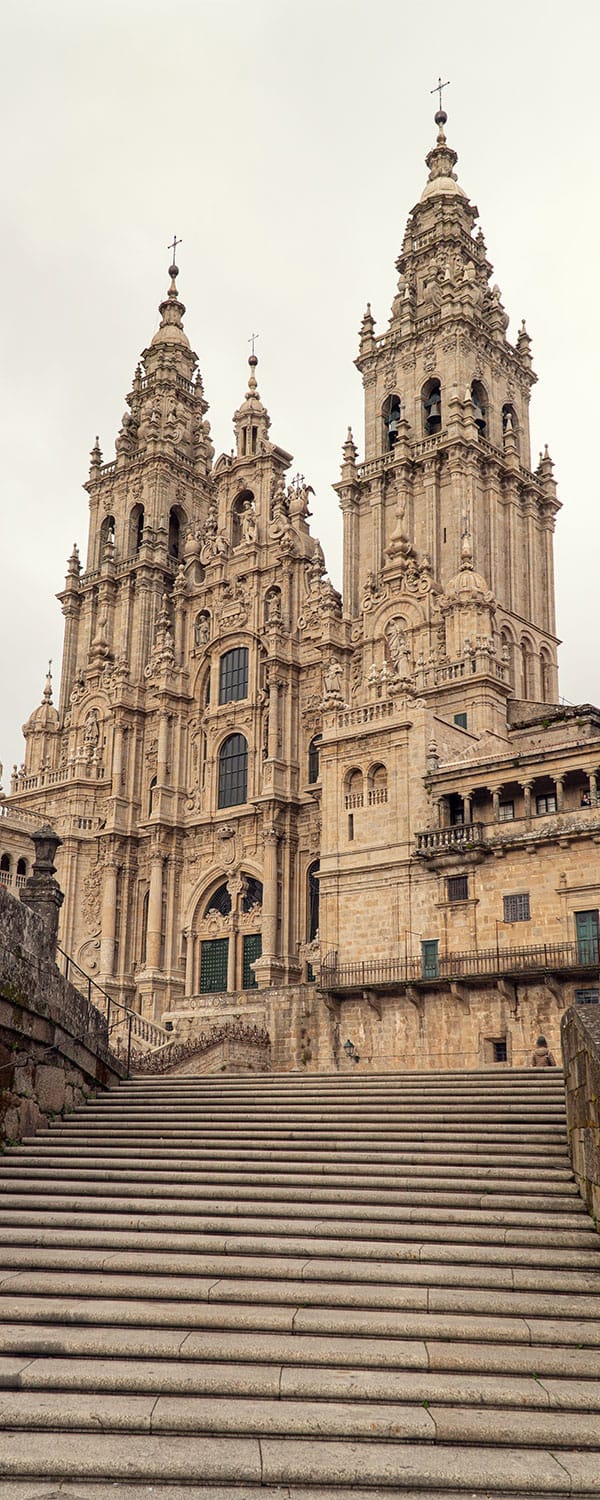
446, 485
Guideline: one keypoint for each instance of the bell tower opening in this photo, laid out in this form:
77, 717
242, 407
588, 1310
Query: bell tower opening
431, 397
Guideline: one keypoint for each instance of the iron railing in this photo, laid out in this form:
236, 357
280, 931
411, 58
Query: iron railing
382, 973
121, 1020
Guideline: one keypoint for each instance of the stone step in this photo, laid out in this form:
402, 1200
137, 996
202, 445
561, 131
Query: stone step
319, 1283
21, 1342
289, 1202
314, 1382
285, 1161
401, 1467
434, 1254
191, 1224
262, 1416
544, 1205
67, 1173
469, 1316
485, 1233
395, 1125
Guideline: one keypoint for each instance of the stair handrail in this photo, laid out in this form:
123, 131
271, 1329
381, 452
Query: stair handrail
136, 1025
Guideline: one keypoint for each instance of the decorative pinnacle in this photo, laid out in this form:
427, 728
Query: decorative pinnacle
173, 268
47, 697
440, 114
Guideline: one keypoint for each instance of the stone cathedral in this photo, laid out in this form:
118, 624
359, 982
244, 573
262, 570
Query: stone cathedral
365, 820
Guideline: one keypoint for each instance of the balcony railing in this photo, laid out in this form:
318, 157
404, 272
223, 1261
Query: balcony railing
388, 973
455, 836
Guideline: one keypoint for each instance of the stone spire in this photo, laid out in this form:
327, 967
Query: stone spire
251, 421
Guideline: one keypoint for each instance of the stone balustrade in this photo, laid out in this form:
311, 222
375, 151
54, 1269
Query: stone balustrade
580, 1036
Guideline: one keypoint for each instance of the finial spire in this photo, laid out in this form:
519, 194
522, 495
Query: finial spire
47, 697
440, 114
174, 268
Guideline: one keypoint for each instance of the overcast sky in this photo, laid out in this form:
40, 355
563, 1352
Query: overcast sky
284, 143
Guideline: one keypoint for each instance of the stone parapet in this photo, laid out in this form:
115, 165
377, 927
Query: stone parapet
54, 1048
580, 1037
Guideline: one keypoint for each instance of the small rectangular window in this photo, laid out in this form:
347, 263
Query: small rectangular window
500, 1053
506, 812
546, 803
461, 720
587, 997
233, 675
350, 825
458, 887
516, 908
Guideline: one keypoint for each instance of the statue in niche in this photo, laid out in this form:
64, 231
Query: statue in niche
91, 730
248, 524
202, 629
397, 647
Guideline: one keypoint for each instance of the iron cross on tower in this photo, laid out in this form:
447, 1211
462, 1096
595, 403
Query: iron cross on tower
439, 88
252, 340
177, 242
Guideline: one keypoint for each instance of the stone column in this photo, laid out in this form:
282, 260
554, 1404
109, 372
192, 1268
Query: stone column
496, 803
108, 928
273, 741
117, 759
41, 891
467, 799
593, 779
189, 961
155, 911
526, 788
163, 749
442, 812
269, 919
232, 957
559, 784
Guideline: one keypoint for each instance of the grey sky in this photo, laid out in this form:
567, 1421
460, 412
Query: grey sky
284, 142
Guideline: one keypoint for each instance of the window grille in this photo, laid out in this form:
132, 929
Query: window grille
214, 954
587, 997
254, 894
500, 1051
252, 950
461, 720
458, 888
506, 812
233, 771
516, 908
233, 675
220, 901
546, 803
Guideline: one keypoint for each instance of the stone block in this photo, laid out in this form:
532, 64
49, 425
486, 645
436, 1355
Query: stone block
11, 1125
23, 1081
50, 1088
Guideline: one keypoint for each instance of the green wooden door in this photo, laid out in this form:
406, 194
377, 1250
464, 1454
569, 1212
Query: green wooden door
588, 935
429, 958
213, 965
252, 950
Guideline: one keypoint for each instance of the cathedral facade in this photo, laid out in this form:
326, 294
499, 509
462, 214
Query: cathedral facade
369, 813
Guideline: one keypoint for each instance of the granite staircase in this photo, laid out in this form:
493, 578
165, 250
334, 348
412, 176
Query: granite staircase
320, 1286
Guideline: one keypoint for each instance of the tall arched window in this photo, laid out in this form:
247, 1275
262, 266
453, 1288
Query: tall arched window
151, 791
233, 675
390, 414
431, 396
546, 676
136, 529
233, 771
5, 870
312, 902
220, 901
526, 668
479, 403
314, 754
144, 927
174, 543
107, 533
21, 867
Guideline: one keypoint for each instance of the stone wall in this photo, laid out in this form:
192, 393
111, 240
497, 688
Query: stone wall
54, 1048
581, 1057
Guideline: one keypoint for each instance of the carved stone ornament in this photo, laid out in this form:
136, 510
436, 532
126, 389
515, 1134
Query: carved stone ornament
92, 896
